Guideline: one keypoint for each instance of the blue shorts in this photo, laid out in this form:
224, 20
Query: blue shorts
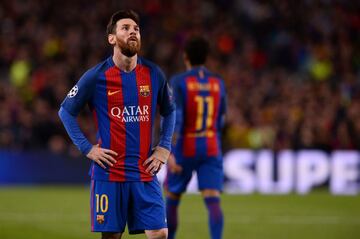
209, 173
139, 204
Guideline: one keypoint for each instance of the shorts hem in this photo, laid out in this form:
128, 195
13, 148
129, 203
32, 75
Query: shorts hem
176, 191
139, 231
211, 188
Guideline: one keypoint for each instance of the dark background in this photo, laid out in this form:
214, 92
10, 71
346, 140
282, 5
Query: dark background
291, 67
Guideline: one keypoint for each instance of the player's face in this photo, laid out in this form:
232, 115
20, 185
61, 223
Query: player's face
127, 37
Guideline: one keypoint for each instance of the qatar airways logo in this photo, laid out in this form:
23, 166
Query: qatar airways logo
131, 113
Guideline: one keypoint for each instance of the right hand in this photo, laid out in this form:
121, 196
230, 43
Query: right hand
173, 166
156, 160
101, 156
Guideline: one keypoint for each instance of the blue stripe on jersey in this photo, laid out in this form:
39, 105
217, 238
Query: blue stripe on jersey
155, 86
101, 105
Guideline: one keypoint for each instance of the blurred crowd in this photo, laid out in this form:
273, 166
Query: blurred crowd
292, 68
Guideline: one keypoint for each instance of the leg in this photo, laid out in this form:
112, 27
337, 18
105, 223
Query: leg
109, 204
172, 203
111, 235
210, 176
157, 234
148, 210
216, 218
175, 185
210, 193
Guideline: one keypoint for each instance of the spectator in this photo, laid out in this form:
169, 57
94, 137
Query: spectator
292, 74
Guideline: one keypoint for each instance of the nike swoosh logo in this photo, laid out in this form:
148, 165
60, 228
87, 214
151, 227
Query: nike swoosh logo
113, 92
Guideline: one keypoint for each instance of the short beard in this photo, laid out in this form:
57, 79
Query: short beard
128, 49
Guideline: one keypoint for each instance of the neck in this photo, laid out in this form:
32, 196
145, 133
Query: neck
189, 66
123, 62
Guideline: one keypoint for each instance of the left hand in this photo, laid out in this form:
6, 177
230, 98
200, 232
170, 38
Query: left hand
154, 163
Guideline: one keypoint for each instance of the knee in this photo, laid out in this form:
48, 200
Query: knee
210, 193
173, 196
157, 234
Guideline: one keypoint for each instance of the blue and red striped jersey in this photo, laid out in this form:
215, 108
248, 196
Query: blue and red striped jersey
200, 107
124, 106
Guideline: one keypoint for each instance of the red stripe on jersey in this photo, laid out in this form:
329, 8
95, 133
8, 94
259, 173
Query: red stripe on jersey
189, 146
211, 139
144, 88
117, 126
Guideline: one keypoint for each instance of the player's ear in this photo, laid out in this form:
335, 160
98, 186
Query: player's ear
112, 39
186, 59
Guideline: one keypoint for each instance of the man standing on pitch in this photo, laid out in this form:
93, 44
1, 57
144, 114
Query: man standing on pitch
200, 110
123, 92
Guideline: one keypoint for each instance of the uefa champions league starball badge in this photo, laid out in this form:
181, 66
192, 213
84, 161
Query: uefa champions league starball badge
73, 91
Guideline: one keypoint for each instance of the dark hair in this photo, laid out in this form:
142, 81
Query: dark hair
197, 49
121, 15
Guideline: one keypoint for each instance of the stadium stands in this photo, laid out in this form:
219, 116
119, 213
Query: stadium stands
292, 73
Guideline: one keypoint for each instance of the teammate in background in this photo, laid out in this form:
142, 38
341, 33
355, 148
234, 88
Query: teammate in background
200, 110
123, 92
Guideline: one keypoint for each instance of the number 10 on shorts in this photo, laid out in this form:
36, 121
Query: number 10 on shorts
102, 203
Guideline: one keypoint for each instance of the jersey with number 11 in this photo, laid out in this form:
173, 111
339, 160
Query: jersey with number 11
200, 104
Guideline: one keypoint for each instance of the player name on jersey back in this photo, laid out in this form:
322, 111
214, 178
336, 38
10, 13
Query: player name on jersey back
197, 86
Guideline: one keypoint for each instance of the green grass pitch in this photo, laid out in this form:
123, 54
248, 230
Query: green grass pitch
61, 212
